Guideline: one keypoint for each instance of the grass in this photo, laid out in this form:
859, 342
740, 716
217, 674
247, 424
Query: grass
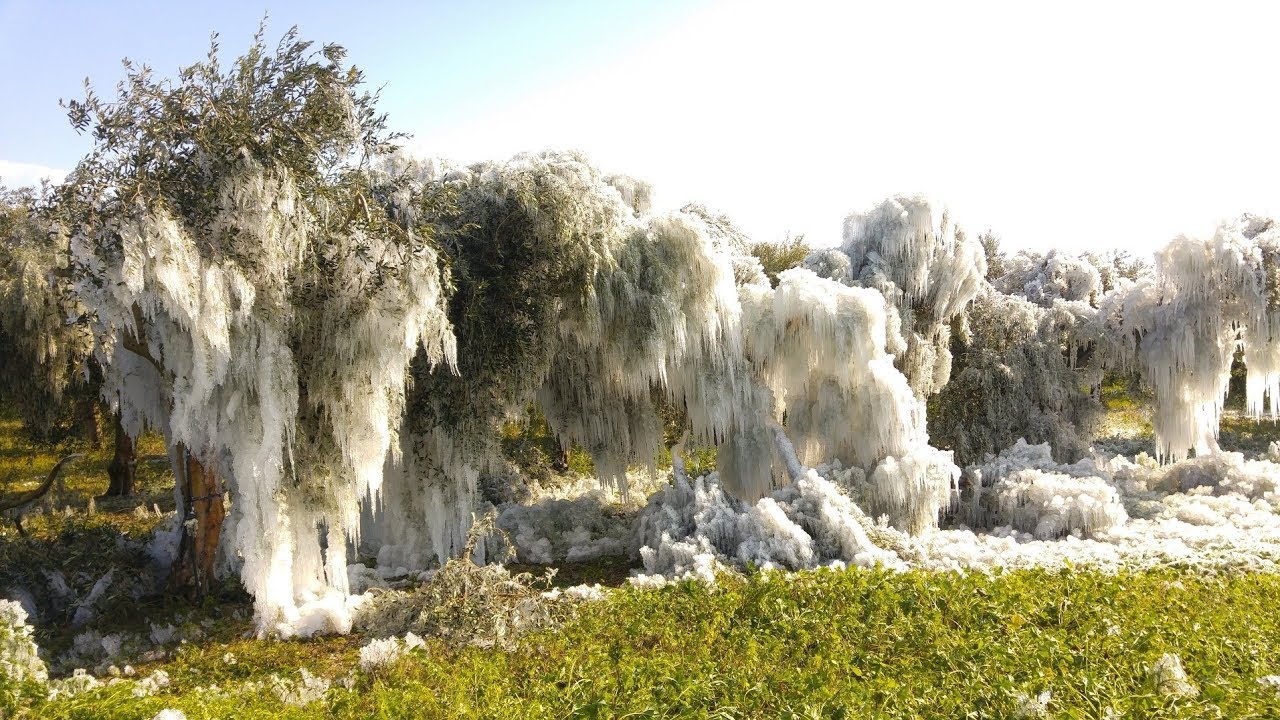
822, 644
855, 644
83, 479
1128, 415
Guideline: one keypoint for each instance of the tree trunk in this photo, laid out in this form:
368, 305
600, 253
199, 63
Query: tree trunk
124, 465
89, 423
203, 513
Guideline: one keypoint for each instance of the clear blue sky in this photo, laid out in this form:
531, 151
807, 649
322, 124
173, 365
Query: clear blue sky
1083, 125
439, 62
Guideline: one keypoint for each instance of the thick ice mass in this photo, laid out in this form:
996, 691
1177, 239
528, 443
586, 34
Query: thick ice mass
289, 385
1211, 512
349, 387
1208, 298
927, 270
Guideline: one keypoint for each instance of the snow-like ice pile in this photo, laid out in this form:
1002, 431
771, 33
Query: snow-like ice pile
19, 659
384, 652
1209, 512
577, 530
694, 527
1025, 489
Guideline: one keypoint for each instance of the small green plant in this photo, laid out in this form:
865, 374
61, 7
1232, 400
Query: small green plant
776, 257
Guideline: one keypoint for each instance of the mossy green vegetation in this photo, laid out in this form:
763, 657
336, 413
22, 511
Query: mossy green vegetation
822, 644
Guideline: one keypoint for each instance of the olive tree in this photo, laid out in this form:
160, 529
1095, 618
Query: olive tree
257, 293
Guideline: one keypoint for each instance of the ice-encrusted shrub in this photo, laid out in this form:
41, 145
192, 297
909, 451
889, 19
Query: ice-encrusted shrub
380, 653
1221, 473
694, 528
384, 652
1025, 488
151, 684
1044, 278
1033, 707
1050, 504
22, 672
19, 656
575, 530
928, 271
464, 603
80, 681
1012, 379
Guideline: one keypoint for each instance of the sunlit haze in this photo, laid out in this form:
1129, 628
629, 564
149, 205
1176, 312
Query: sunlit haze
1077, 126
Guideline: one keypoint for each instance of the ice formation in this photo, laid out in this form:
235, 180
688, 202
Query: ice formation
287, 380
1208, 298
1033, 707
1013, 379
1207, 512
19, 657
307, 689
619, 311
320, 368
820, 348
571, 530
381, 653
1169, 677
45, 353
1025, 489
1051, 276
927, 270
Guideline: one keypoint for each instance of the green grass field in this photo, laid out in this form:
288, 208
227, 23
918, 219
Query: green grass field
854, 644
822, 644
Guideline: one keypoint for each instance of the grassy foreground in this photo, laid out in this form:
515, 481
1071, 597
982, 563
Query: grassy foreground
823, 644
853, 644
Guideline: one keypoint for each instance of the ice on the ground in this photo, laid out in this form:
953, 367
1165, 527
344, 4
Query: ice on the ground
19, 657
1212, 512
1169, 677
1025, 489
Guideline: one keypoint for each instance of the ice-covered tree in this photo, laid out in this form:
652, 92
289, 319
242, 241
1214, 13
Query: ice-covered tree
1209, 297
599, 313
927, 270
44, 373
1012, 378
258, 299
526, 240
1044, 278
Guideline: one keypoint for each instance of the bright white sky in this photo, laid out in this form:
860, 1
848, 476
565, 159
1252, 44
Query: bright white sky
1073, 125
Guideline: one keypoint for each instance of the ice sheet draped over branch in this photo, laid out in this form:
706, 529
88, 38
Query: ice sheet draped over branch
909, 250
278, 361
574, 300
